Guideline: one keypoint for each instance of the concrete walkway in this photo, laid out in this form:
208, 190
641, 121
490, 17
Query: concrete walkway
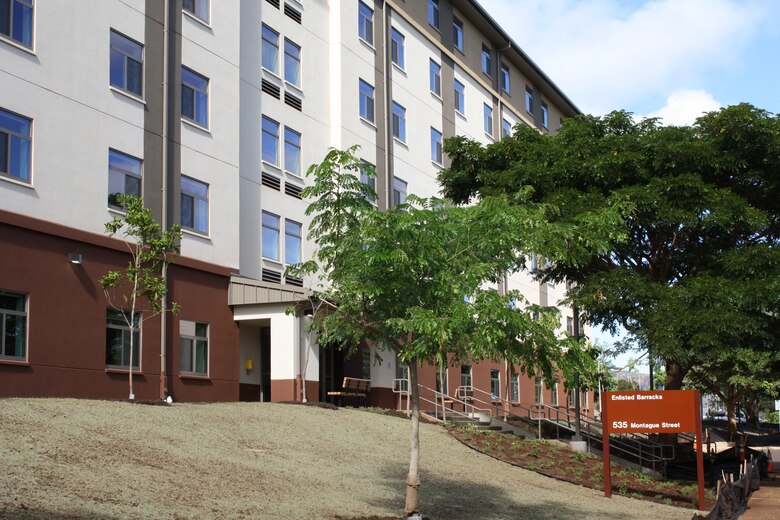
764, 504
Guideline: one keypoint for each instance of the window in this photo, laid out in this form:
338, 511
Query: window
495, 384
570, 325
514, 388
529, 100
435, 78
194, 205
366, 101
16, 20
399, 122
538, 390
460, 97
402, 373
292, 151
486, 60
506, 128
194, 97
436, 148
126, 64
15, 146
292, 242
368, 177
399, 191
118, 339
544, 115
270, 236
554, 394
505, 78
270, 141
194, 348
124, 177
366, 23
433, 13
13, 325
488, 119
292, 63
270, 49
397, 47
465, 375
198, 8
457, 34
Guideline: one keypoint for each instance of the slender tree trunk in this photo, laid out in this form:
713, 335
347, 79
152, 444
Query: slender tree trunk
674, 380
413, 478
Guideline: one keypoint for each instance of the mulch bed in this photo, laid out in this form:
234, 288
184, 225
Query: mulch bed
316, 404
558, 461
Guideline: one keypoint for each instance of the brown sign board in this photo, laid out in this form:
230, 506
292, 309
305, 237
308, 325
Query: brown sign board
664, 411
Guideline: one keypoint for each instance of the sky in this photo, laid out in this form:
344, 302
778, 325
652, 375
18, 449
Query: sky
673, 59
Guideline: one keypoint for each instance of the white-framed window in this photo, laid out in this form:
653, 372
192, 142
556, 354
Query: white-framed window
506, 128
13, 326
505, 86
495, 384
270, 236
118, 339
545, 116
16, 21
193, 348
486, 60
15, 146
570, 325
124, 177
194, 205
436, 146
197, 8
402, 373
397, 47
554, 394
529, 100
487, 112
399, 191
368, 177
366, 101
457, 34
433, 13
293, 233
399, 122
435, 77
127, 63
194, 97
514, 387
270, 141
460, 97
465, 375
292, 151
292, 63
270, 49
366, 23
538, 390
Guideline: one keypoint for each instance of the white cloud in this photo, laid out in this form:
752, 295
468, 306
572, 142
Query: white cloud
684, 106
609, 54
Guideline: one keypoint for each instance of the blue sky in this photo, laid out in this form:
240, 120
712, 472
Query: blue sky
674, 59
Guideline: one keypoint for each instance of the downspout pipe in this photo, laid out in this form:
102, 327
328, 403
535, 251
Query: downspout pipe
164, 201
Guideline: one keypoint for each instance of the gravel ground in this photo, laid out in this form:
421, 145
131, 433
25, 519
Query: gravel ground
66, 458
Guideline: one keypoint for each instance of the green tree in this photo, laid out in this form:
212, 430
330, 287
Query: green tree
398, 279
151, 250
701, 208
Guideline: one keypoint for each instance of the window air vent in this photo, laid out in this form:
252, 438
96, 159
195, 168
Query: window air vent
271, 276
293, 101
272, 181
297, 282
292, 12
293, 190
274, 3
271, 89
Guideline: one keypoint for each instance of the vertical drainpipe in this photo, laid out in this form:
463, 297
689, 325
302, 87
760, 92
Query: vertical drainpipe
389, 175
164, 205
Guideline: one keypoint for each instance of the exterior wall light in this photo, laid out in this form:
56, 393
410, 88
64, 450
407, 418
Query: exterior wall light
249, 365
75, 258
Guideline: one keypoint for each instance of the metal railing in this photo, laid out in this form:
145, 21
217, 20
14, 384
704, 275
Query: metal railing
438, 399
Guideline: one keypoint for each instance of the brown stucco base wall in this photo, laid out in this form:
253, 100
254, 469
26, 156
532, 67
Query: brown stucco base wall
383, 397
283, 390
66, 319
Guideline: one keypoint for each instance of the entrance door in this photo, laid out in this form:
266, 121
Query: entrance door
265, 364
331, 372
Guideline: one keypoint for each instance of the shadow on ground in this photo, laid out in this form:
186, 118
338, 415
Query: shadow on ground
24, 513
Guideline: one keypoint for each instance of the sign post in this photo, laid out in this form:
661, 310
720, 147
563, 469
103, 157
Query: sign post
663, 411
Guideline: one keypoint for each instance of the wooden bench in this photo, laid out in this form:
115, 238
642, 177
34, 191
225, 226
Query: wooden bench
352, 387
